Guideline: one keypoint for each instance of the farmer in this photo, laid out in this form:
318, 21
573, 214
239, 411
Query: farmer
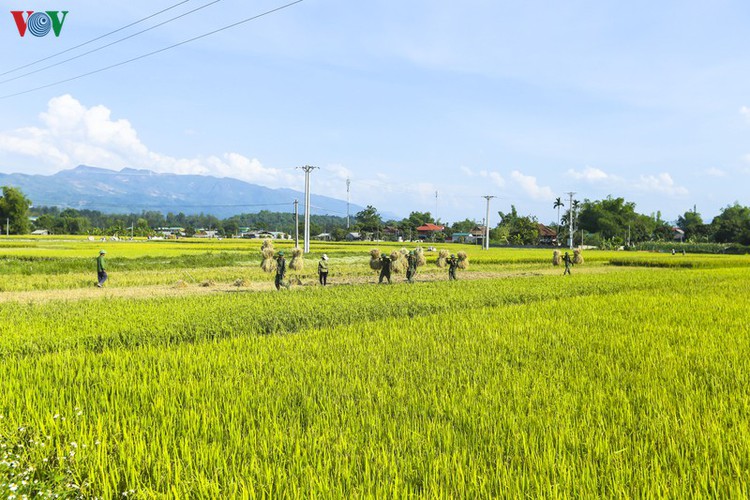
452, 266
323, 270
568, 261
280, 271
385, 269
411, 267
101, 270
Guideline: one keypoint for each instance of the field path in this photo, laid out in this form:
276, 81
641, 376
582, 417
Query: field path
183, 289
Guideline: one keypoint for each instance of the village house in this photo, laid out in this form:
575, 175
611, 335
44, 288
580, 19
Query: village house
427, 231
547, 236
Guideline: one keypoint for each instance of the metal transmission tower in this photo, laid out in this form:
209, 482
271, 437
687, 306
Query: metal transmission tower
436, 207
570, 220
487, 223
307, 169
348, 182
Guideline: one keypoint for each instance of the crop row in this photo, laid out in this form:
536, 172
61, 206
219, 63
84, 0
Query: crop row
100, 324
631, 384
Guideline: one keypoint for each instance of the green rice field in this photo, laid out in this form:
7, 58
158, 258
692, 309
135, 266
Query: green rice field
189, 376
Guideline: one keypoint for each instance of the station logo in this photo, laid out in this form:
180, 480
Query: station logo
39, 23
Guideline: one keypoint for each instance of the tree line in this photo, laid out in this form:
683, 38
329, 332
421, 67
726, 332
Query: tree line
612, 222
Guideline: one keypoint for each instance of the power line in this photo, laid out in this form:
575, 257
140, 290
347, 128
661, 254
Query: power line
111, 43
94, 39
143, 56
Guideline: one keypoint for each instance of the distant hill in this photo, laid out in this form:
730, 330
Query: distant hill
133, 191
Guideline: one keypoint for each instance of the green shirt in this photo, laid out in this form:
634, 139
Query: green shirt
100, 263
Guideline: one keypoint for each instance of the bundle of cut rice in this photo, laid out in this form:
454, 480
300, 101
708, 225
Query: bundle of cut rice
421, 259
398, 262
404, 251
375, 263
463, 260
240, 282
442, 258
269, 263
208, 283
577, 257
556, 258
296, 264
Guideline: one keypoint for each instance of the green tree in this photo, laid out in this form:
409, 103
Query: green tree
463, 226
732, 225
518, 229
369, 219
338, 234
14, 208
692, 223
45, 221
558, 205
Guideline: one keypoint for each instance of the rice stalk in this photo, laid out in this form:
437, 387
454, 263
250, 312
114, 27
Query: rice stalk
375, 263
577, 257
463, 260
269, 263
398, 262
442, 258
421, 259
297, 263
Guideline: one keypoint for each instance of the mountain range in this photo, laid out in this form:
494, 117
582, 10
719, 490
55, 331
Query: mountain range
134, 190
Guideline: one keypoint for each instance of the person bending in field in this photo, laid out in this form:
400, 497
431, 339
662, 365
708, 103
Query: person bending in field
323, 270
101, 270
385, 270
452, 266
280, 271
568, 262
411, 267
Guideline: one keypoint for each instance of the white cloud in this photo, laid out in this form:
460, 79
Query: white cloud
745, 111
493, 176
715, 172
530, 186
73, 134
467, 171
31, 142
589, 174
661, 183
339, 171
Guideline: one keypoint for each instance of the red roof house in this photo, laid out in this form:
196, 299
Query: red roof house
428, 230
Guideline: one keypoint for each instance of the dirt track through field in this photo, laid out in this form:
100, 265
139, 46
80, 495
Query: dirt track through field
183, 290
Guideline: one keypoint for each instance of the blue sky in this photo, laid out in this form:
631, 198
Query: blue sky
521, 100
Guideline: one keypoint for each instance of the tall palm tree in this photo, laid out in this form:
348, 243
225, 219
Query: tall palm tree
558, 204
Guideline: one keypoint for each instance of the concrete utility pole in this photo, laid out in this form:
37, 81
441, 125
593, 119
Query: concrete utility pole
348, 182
296, 223
436, 207
487, 223
307, 169
570, 220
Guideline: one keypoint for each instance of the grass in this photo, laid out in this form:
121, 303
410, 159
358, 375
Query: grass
625, 382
